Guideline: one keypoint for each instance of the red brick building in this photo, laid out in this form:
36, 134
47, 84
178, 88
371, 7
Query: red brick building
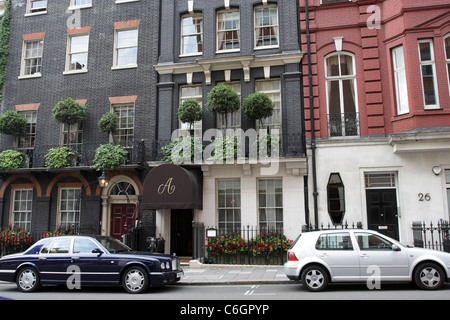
381, 99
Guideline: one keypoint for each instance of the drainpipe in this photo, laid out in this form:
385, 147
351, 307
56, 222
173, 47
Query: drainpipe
311, 108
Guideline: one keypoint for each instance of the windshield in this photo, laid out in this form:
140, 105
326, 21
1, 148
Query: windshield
111, 244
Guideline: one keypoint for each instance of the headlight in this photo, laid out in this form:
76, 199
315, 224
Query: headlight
163, 265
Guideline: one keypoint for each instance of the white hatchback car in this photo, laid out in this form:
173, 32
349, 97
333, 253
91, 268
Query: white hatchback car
320, 257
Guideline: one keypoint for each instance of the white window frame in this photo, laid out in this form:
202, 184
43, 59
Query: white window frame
237, 224
432, 63
116, 66
74, 6
27, 141
400, 71
269, 223
76, 202
269, 121
119, 137
238, 30
342, 78
69, 54
28, 210
184, 127
23, 75
447, 60
182, 35
233, 118
30, 12
255, 28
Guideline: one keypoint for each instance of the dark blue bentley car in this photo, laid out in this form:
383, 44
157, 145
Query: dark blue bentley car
88, 260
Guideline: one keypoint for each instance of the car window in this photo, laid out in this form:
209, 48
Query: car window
46, 248
60, 246
334, 241
369, 241
83, 246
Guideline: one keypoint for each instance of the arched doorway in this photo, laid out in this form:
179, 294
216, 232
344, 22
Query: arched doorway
120, 207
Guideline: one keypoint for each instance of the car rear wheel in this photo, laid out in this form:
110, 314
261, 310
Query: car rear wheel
28, 280
135, 280
429, 276
315, 278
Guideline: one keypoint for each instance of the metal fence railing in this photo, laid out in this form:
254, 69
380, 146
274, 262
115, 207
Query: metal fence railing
432, 236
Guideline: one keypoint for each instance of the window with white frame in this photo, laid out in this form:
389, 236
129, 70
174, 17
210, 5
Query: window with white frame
230, 119
266, 26
401, 88
69, 205
27, 141
22, 208
77, 57
126, 48
228, 30
81, 3
124, 135
428, 72
229, 204
36, 6
192, 34
72, 136
447, 56
191, 92
270, 204
272, 88
32, 58
340, 75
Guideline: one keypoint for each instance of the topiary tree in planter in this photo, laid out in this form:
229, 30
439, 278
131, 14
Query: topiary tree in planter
11, 160
109, 156
258, 106
69, 112
13, 123
109, 123
223, 99
190, 112
61, 157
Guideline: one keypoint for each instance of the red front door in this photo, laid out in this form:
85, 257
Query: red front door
120, 221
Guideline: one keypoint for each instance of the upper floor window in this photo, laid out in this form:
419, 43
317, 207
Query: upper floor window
228, 30
266, 27
126, 48
124, 135
27, 141
192, 34
401, 89
36, 6
191, 92
340, 75
32, 58
77, 57
447, 56
272, 88
80, 4
428, 72
230, 119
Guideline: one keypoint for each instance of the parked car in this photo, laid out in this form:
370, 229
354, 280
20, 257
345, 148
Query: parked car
90, 260
320, 257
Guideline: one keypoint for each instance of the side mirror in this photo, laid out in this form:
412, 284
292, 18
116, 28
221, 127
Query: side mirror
396, 248
98, 251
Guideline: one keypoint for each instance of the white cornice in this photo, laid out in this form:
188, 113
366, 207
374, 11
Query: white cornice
230, 63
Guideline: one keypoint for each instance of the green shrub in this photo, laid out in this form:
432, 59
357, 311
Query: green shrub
13, 123
11, 160
109, 156
60, 157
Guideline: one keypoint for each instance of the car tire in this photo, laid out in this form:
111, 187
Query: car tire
315, 278
135, 280
28, 280
429, 276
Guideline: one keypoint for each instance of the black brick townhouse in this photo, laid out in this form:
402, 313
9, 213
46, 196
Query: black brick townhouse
101, 54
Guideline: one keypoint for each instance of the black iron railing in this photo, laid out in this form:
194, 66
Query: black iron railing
433, 236
343, 124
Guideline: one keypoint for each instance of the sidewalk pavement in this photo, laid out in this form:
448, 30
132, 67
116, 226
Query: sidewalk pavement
233, 274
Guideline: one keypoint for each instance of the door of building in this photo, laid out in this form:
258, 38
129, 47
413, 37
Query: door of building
181, 234
382, 212
120, 220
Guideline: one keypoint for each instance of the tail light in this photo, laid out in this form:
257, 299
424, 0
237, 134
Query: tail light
292, 256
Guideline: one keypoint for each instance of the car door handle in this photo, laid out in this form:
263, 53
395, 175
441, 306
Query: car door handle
364, 255
75, 258
42, 258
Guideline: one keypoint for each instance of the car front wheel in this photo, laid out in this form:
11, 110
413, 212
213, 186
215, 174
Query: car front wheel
315, 278
28, 280
135, 280
429, 276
